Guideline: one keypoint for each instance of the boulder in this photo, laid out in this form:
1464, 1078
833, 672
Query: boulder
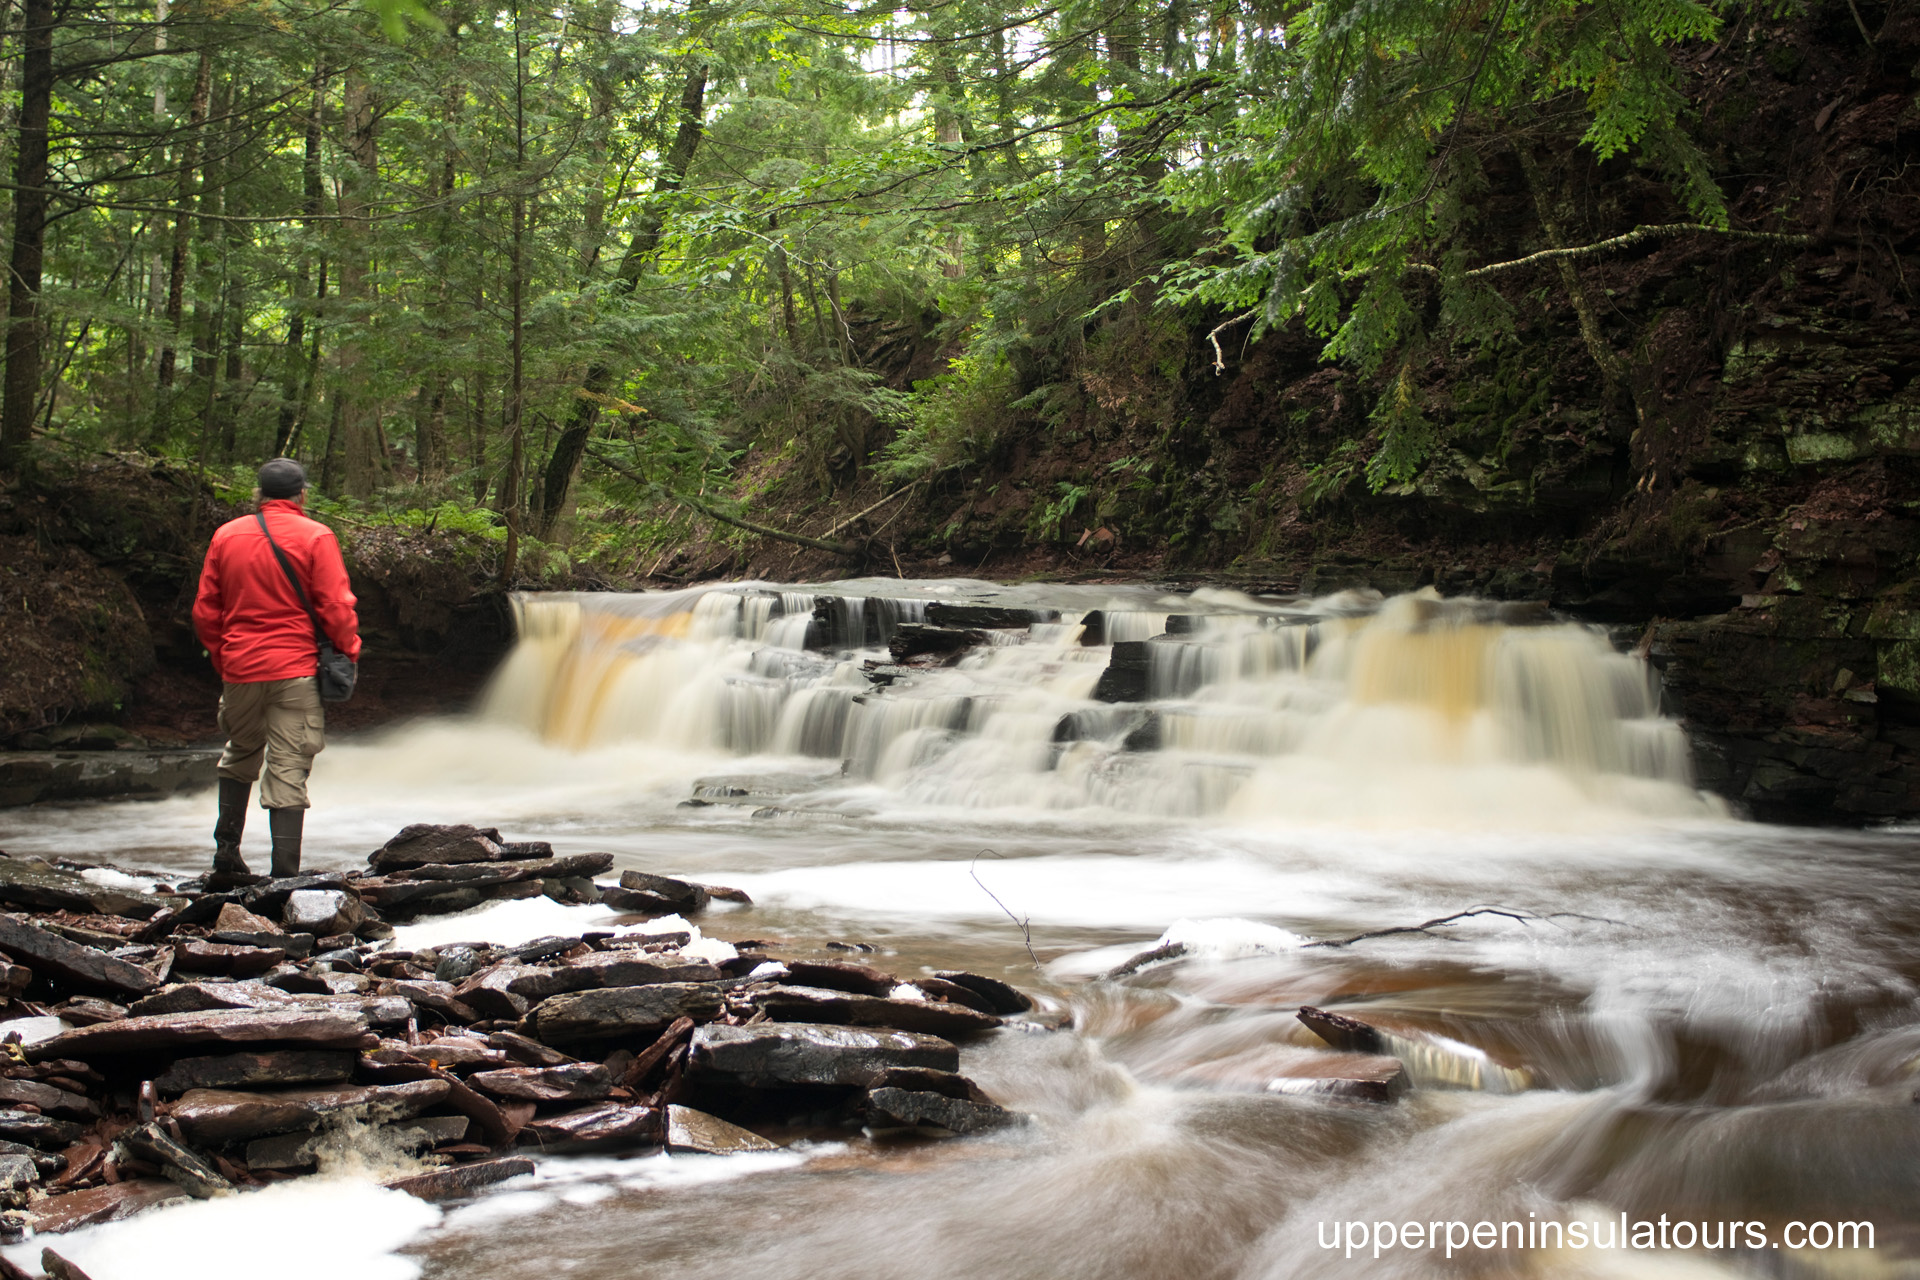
574, 1082
690, 1130
28, 882
109, 1203
1004, 999
70, 963
812, 1004
605, 1125
620, 1011
890, 1108
251, 1070
216, 1116
220, 957
171, 1032
325, 911
772, 1054
443, 1183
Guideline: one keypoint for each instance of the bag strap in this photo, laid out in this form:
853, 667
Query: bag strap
319, 632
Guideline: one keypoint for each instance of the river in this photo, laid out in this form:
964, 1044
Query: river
1674, 1012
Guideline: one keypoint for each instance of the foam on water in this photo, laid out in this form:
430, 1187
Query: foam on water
520, 920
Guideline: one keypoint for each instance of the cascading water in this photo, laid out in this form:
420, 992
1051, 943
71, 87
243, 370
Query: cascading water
1239, 707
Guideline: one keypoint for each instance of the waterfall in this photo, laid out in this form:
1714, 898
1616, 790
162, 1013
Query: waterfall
1234, 707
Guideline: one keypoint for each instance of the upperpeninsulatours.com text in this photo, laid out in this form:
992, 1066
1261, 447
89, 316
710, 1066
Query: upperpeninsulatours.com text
1590, 1233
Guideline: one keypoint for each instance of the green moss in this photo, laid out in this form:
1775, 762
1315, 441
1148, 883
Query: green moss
1900, 667
1820, 446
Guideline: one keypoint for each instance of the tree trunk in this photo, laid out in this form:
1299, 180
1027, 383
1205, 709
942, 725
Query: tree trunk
360, 465
182, 243
22, 388
296, 372
564, 462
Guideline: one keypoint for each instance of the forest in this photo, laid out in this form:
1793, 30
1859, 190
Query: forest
668, 262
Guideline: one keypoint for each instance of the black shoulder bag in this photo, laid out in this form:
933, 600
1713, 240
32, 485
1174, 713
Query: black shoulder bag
337, 671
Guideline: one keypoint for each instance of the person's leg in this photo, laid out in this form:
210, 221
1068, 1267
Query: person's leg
243, 721
296, 732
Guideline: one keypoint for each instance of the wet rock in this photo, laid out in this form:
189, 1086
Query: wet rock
527, 1051
302, 1150
639, 891
109, 1203
47, 1163
1129, 674
919, 640
942, 613
175, 1031
17, 1171
771, 1054
456, 963
251, 1070
28, 882
891, 1108
34, 1130
429, 887
690, 1130
1360, 1076
322, 911
269, 898
180, 1165
921, 1080
1003, 999
628, 968
620, 1011
55, 957
84, 1011
216, 1116
442, 1184
812, 1004
220, 957
48, 1099
841, 975
435, 997
1342, 1032
489, 992
607, 1125
462, 1053
197, 997
574, 1082
953, 993
424, 843
234, 918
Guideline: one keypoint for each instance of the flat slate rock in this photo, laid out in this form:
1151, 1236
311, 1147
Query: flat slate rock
620, 1011
684, 895
173, 1031
572, 864
783, 1053
841, 975
601, 1126
70, 963
219, 957
48, 1099
424, 842
32, 1129
252, 1070
910, 1109
1003, 998
28, 882
109, 1203
690, 1130
215, 1116
1347, 1034
575, 1082
202, 997
1363, 1077
814, 1004
442, 1184
624, 967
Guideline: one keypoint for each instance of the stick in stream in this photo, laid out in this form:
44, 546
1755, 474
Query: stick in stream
1521, 916
1025, 931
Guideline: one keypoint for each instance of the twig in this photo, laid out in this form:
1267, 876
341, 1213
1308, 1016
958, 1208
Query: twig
1025, 932
765, 531
897, 493
1521, 916
1213, 336
1639, 235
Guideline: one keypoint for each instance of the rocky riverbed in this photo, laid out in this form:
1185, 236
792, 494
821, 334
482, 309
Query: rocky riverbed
166, 1041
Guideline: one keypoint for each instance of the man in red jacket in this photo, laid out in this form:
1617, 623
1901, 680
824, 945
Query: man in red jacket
263, 648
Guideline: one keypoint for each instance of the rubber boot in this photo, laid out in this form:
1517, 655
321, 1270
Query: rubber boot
285, 825
229, 868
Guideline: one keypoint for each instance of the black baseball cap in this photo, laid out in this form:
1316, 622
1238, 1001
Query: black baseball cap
282, 478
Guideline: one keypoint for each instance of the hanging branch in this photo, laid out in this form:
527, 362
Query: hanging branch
818, 544
1026, 932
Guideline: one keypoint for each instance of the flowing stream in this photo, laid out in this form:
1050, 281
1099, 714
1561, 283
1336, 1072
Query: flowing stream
1673, 1012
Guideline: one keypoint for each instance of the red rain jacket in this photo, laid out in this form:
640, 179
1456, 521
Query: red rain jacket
246, 613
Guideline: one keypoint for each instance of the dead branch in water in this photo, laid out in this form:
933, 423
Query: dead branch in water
1025, 932
1523, 917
